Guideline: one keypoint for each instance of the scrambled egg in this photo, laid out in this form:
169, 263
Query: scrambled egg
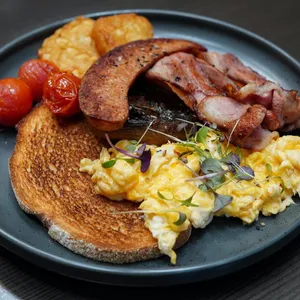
268, 193
163, 187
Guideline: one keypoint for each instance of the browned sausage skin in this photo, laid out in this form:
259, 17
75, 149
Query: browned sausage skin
104, 87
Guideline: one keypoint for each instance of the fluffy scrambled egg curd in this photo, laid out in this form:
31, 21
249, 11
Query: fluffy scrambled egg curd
173, 199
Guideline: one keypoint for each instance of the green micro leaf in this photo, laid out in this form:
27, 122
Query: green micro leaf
239, 152
188, 201
133, 142
219, 150
269, 169
161, 196
203, 187
130, 147
109, 163
181, 219
184, 153
201, 135
129, 160
216, 180
283, 187
221, 201
231, 159
211, 165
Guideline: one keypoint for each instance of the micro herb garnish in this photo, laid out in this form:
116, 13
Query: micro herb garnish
202, 153
201, 135
269, 169
203, 187
219, 150
231, 159
213, 170
109, 164
231, 133
112, 162
185, 153
244, 173
187, 202
141, 138
181, 219
282, 185
161, 196
212, 127
221, 201
239, 152
208, 185
211, 165
142, 154
131, 146
168, 135
270, 173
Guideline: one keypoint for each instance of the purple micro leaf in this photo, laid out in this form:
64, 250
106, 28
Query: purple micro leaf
141, 149
231, 159
245, 173
145, 159
207, 176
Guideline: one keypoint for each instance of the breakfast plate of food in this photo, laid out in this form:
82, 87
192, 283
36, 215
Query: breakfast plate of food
147, 147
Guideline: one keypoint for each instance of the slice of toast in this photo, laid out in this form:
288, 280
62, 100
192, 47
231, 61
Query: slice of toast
45, 177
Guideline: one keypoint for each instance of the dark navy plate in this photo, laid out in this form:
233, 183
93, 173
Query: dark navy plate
225, 245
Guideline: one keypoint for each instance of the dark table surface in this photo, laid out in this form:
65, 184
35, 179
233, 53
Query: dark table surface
277, 277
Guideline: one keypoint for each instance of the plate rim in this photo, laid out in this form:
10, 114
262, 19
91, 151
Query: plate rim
16, 245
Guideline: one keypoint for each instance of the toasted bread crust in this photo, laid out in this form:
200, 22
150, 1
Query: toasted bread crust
104, 87
45, 177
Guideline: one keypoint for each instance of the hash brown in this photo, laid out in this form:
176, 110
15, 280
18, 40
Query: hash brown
112, 31
71, 47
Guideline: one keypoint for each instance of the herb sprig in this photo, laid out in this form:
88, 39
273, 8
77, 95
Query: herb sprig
141, 154
213, 171
112, 162
187, 202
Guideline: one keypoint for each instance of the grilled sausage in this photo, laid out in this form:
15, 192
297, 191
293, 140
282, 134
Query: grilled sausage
103, 95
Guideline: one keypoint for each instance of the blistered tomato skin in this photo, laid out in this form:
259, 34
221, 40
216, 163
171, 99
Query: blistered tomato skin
35, 72
60, 93
15, 101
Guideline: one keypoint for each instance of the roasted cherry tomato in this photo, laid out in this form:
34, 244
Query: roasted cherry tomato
35, 72
15, 101
60, 93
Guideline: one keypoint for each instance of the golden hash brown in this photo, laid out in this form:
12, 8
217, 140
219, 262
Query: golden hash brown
71, 47
110, 32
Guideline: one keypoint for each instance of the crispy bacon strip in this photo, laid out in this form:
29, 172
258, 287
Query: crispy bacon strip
283, 105
231, 66
181, 71
203, 89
